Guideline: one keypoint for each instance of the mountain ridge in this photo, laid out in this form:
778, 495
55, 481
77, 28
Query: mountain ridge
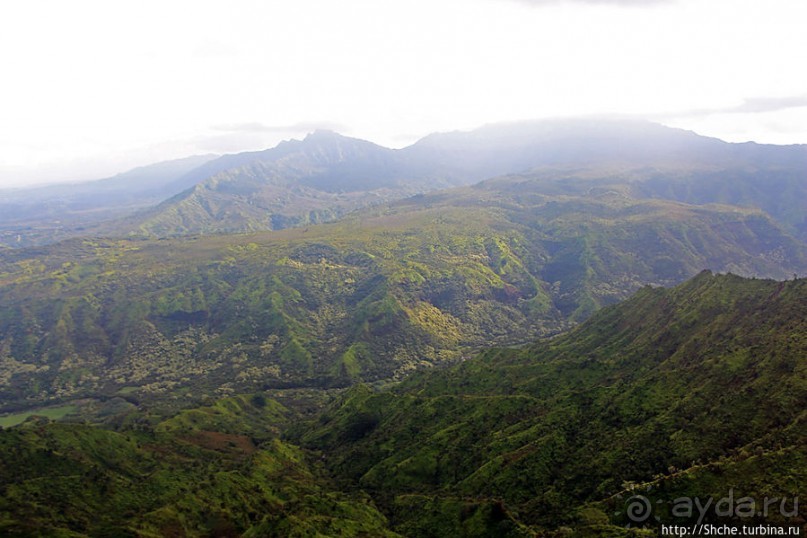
449, 159
389, 289
696, 391
671, 389
327, 175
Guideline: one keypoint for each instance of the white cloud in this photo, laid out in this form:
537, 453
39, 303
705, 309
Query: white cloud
754, 105
300, 127
91, 79
772, 104
624, 3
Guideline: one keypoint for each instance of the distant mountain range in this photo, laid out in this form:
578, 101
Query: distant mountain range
43, 215
381, 292
597, 210
224, 362
326, 175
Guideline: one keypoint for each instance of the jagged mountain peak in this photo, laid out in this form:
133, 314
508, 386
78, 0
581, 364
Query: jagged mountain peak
325, 134
330, 174
335, 146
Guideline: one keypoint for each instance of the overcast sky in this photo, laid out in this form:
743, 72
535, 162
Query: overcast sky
90, 88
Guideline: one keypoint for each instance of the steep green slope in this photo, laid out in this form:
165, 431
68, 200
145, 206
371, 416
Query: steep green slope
327, 175
43, 215
676, 389
374, 296
777, 189
297, 183
215, 471
695, 392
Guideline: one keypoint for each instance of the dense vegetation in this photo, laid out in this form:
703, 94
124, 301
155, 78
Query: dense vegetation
327, 380
423, 281
689, 391
326, 175
214, 471
44, 215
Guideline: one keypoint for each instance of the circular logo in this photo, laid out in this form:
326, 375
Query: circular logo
639, 508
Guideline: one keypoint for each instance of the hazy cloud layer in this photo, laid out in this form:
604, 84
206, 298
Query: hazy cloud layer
254, 135
253, 69
301, 127
624, 3
755, 105
212, 48
771, 104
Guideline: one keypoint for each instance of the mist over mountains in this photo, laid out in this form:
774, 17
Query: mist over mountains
579, 215
501, 332
327, 175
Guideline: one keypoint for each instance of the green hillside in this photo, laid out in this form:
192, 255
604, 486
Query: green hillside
43, 215
778, 190
327, 175
375, 296
297, 183
697, 391
694, 390
217, 471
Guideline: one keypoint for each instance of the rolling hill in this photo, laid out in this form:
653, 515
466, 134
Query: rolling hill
326, 175
689, 391
192, 368
371, 297
697, 391
42, 215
